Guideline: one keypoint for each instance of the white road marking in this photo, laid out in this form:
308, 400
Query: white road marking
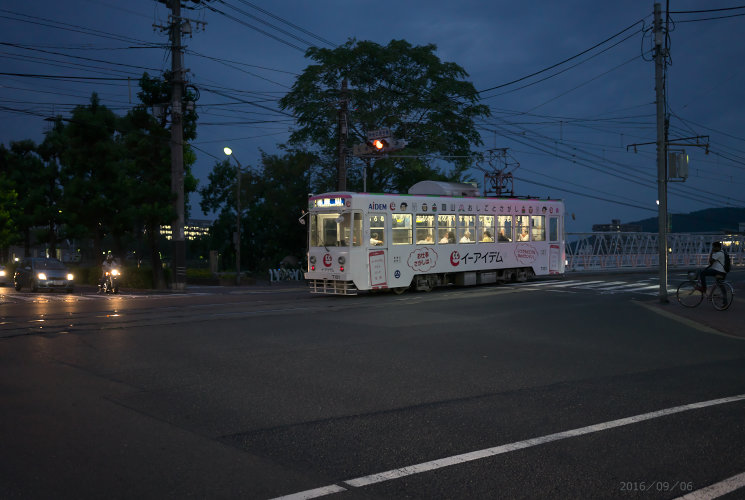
318, 492
519, 445
718, 489
576, 283
601, 285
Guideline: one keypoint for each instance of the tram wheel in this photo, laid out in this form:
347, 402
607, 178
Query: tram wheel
400, 289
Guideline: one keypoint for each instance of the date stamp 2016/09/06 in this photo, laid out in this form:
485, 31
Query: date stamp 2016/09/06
656, 486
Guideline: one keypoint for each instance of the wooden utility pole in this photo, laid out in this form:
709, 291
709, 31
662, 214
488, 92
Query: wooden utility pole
660, 53
178, 263
341, 167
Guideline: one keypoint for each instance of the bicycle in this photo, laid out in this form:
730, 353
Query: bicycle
690, 293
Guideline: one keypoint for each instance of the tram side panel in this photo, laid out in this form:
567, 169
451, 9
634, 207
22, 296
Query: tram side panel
384, 245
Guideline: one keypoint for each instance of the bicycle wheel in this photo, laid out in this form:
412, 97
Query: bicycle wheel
721, 296
689, 295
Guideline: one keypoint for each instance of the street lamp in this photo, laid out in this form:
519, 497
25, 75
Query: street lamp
229, 152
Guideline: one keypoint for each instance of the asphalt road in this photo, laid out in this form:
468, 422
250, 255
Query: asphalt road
572, 389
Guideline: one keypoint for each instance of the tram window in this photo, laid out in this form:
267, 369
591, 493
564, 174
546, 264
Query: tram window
377, 230
330, 229
467, 228
401, 229
553, 229
486, 228
504, 228
425, 229
446, 228
357, 229
522, 224
538, 227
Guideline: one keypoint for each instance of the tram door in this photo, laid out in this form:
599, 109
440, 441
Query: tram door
555, 242
377, 250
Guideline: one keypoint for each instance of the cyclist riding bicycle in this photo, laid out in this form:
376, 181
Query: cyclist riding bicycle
716, 264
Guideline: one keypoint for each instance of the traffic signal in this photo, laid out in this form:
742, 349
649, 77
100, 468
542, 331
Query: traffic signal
378, 146
386, 144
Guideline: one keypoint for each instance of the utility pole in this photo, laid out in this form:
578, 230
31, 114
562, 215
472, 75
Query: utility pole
177, 148
660, 53
341, 167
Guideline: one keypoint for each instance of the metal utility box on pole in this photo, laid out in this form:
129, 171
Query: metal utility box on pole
659, 83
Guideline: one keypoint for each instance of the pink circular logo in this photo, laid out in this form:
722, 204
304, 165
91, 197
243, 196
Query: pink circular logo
455, 258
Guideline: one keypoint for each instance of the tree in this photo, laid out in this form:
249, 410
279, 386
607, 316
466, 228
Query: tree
23, 169
91, 175
272, 199
401, 87
50, 151
8, 210
147, 163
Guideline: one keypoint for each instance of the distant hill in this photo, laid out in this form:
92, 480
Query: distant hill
711, 220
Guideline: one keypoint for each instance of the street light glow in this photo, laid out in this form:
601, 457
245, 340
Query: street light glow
227, 150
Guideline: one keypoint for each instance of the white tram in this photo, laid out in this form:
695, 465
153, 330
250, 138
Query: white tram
438, 234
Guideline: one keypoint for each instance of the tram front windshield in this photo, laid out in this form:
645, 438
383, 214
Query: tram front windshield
335, 229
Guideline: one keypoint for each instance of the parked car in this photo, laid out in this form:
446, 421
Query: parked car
41, 272
4, 278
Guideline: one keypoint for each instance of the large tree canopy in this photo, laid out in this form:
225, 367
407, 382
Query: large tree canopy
401, 87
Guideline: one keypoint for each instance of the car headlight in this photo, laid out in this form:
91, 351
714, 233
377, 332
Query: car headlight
2, 273
115, 272
69, 277
42, 276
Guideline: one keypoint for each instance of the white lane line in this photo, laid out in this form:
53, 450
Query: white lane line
506, 448
717, 490
315, 493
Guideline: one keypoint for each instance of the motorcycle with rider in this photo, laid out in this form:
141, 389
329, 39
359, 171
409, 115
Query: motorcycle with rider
110, 275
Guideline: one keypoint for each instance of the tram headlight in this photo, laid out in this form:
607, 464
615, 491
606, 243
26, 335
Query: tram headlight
341, 259
312, 259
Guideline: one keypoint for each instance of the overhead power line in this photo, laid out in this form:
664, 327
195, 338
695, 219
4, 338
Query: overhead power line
548, 68
288, 23
705, 11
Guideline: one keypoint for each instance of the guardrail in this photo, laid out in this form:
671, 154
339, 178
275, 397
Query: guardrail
602, 251
276, 275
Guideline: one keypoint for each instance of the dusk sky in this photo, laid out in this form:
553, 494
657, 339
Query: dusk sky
569, 127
